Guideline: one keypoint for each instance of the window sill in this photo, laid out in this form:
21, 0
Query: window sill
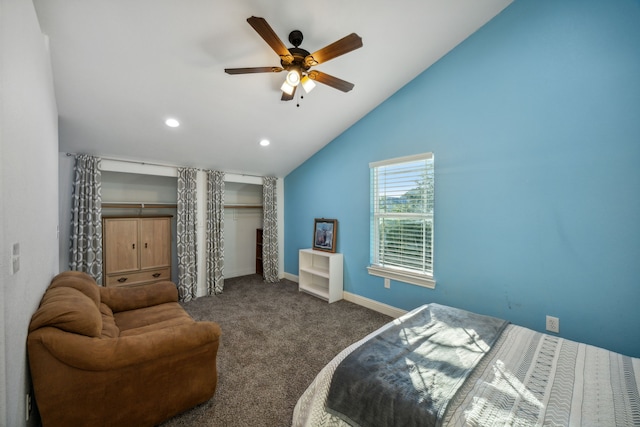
402, 276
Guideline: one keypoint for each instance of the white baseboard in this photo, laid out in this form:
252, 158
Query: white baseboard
291, 277
238, 273
373, 305
365, 302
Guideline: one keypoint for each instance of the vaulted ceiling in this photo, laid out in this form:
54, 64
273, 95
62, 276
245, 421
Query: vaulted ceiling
122, 67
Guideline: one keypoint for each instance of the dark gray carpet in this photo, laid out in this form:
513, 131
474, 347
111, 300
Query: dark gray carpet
274, 342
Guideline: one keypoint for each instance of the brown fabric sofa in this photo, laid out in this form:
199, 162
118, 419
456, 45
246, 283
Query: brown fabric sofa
113, 356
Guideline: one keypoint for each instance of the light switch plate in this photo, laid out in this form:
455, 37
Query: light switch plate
15, 258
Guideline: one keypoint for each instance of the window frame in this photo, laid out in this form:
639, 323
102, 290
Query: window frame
402, 274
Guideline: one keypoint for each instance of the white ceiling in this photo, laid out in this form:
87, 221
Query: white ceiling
121, 67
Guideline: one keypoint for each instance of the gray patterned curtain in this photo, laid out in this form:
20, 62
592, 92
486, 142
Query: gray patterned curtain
269, 230
86, 218
215, 232
186, 235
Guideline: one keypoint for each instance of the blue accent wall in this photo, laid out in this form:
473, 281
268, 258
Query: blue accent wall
534, 122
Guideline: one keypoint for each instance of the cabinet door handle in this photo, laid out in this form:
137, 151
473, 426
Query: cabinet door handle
145, 245
133, 246
122, 279
156, 274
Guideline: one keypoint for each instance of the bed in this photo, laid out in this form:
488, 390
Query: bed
442, 366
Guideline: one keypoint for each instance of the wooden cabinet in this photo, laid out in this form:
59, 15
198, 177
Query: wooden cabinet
320, 274
136, 250
259, 269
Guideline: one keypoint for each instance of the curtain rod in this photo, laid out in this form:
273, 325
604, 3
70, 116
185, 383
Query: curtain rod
131, 161
159, 164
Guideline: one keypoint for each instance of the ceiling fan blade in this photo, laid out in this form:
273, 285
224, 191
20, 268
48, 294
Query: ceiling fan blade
329, 80
287, 97
335, 49
253, 70
265, 31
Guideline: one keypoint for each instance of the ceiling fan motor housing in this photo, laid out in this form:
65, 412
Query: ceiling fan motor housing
295, 37
299, 56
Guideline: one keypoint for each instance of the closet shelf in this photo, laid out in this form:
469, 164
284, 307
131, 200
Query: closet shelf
243, 206
124, 205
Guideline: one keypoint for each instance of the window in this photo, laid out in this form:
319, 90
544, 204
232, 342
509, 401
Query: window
402, 203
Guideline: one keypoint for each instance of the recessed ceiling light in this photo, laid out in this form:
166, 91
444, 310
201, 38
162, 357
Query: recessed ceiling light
172, 123
264, 142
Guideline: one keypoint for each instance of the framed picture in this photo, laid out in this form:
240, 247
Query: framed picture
324, 234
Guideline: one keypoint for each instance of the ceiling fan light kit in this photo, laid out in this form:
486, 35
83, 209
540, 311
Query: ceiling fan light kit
307, 84
297, 61
293, 77
287, 88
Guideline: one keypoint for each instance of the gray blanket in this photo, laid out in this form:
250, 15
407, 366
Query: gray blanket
406, 375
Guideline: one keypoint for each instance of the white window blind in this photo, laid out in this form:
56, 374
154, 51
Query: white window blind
402, 205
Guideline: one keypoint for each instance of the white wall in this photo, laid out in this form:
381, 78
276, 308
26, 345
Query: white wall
135, 188
65, 179
29, 206
240, 226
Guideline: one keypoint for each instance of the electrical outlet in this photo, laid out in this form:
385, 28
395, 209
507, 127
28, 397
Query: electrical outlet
387, 283
27, 404
553, 324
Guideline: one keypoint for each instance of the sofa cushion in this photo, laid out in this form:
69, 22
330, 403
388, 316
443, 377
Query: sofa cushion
123, 298
80, 281
70, 310
142, 320
109, 327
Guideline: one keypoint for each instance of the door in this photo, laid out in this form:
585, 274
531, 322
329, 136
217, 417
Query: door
155, 242
121, 245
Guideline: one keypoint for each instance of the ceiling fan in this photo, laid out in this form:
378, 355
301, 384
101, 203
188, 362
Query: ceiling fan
297, 61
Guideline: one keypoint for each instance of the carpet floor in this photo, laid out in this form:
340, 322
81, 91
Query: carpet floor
274, 342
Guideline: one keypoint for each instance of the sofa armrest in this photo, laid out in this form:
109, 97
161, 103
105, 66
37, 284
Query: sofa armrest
100, 354
134, 297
